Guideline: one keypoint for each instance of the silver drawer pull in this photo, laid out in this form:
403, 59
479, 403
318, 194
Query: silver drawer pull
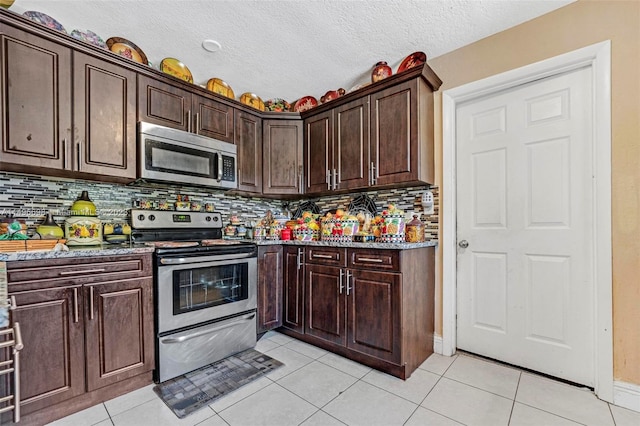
181, 339
322, 256
84, 271
368, 259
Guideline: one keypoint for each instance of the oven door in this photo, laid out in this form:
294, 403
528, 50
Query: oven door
193, 290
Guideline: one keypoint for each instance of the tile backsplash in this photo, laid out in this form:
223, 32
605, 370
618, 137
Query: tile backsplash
30, 197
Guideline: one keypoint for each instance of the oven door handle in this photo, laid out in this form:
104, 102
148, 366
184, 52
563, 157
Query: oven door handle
200, 259
170, 340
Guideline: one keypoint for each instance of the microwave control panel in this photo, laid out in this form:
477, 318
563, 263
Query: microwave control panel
228, 168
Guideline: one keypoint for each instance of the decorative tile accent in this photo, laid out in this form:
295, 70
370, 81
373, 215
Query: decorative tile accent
30, 197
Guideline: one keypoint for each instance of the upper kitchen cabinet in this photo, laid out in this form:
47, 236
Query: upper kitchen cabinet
282, 157
65, 113
337, 148
380, 136
169, 105
248, 139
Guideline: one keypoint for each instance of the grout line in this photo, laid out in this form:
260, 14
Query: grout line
553, 414
513, 403
612, 416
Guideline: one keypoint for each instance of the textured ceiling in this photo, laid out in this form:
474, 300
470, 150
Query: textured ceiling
290, 49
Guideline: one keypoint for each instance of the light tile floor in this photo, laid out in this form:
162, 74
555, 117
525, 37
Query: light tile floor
316, 387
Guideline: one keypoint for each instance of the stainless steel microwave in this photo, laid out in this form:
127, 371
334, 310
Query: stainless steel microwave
171, 155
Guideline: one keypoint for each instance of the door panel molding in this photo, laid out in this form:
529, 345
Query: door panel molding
598, 58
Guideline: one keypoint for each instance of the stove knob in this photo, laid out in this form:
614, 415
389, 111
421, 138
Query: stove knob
140, 217
152, 217
215, 219
208, 218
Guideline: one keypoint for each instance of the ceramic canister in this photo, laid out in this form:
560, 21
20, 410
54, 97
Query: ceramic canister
83, 228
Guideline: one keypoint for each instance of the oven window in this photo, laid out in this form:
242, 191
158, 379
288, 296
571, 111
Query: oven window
201, 288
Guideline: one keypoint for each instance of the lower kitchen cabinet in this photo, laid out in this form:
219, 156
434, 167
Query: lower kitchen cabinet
269, 288
375, 306
87, 329
293, 289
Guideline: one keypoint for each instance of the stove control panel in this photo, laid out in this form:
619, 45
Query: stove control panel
163, 219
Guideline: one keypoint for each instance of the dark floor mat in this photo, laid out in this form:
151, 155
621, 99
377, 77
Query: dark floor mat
192, 391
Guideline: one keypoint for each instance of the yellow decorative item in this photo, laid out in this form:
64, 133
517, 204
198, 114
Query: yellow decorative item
83, 228
252, 100
174, 67
6, 3
220, 87
49, 229
83, 206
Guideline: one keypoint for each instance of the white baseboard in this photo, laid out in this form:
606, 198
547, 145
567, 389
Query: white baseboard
437, 344
626, 395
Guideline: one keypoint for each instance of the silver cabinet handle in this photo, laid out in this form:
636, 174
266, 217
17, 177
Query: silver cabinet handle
16, 376
299, 259
322, 256
368, 259
301, 180
336, 179
79, 156
12, 303
75, 304
328, 179
170, 340
464, 244
64, 153
189, 121
349, 288
197, 123
219, 166
91, 302
374, 175
341, 285
84, 271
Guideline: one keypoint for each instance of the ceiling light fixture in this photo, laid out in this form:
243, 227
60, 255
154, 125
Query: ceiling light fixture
211, 46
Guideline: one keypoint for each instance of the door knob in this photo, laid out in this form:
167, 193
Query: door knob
464, 243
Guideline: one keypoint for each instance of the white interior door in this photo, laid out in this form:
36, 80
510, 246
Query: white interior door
524, 205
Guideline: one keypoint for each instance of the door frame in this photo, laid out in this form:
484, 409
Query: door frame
598, 58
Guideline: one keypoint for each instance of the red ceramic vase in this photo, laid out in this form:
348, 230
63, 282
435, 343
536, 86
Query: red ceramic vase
380, 72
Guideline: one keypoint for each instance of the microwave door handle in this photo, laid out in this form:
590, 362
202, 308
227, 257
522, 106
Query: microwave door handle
219, 166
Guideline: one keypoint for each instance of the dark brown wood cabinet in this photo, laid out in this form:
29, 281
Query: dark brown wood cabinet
119, 342
375, 306
52, 361
65, 113
379, 136
166, 104
293, 299
325, 309
104, 103
87, 329
337, 148
248, 139
269, 287
282, 157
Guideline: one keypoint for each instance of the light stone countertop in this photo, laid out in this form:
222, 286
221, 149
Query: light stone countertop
387, 246
124, 249
78, 251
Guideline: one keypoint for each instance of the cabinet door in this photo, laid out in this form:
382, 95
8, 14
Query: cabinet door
52, 361
212, 119
248, 138
282, 157
325, 310
104, 117
351, 144
119, 330
318, 154
36, 101
269, 287
163, 104
293, 299
374, 313
394, 134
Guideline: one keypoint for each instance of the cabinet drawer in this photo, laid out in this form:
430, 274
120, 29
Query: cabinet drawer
79, 269
326, 256
387, 260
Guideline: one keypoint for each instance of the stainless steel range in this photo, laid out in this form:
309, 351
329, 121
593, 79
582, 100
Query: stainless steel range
205, 289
